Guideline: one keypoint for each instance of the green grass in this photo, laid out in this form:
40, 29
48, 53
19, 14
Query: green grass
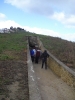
12, 42
6, 57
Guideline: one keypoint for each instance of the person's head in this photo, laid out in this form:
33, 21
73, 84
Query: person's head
45, 50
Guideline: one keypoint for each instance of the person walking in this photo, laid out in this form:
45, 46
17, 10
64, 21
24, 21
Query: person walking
32, 54
44, 57
37, 55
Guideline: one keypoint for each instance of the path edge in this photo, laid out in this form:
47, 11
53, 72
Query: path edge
34, 92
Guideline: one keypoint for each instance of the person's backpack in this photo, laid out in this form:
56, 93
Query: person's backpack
38, 53
32, 52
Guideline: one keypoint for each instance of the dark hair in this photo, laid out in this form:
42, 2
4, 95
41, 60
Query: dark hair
45, 50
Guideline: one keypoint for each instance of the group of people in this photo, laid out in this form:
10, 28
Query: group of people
37, 54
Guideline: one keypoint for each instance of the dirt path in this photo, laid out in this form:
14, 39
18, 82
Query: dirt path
51, 86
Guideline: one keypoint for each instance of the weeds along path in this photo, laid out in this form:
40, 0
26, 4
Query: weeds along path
51, 86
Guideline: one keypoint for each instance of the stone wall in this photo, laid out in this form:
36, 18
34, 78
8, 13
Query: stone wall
34, 93
59, 68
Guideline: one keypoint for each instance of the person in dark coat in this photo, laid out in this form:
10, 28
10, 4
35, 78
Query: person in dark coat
44, 57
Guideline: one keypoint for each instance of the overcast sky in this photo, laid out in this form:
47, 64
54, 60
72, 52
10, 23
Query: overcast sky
49, 17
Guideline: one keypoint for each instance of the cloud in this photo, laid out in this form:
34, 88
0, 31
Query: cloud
4, 23
2, 16
42, 31
68, 36
61, 10
69, 21
32, 6
8, 24
47, 6
18, 3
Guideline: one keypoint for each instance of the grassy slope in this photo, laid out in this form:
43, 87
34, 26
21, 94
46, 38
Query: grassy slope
13, 62
11, 44
62, 49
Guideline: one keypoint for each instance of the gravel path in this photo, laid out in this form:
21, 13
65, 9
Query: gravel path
51, 86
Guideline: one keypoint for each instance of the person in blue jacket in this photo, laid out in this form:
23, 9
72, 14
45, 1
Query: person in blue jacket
32, 54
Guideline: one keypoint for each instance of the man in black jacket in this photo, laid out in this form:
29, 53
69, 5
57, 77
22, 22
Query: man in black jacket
44, 57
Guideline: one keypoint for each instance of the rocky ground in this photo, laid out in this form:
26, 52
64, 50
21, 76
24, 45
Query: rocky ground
14, 79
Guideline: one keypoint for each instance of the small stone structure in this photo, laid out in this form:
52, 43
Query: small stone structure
32, 41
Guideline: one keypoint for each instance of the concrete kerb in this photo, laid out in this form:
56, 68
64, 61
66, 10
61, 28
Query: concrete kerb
34, 92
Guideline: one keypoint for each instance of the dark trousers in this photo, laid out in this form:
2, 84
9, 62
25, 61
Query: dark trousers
32, 57
37, 59
44, 61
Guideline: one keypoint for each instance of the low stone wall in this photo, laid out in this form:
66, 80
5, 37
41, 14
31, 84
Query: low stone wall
34, 93
59, 68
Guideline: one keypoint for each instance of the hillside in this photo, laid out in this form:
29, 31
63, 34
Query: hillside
13, 67
62, 49
13, 61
